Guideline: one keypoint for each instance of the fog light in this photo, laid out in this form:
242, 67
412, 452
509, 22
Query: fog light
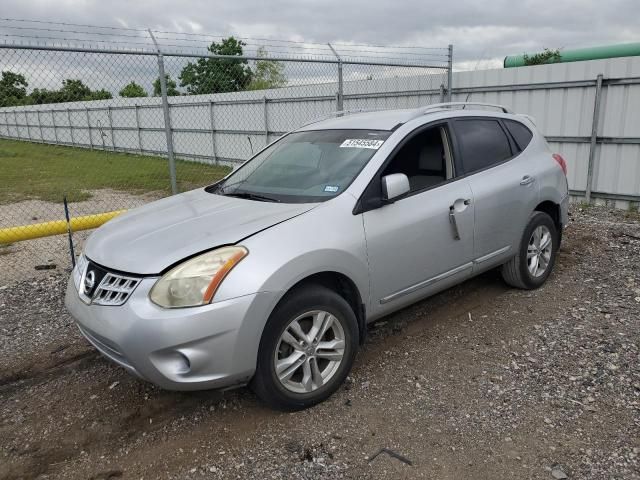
177, 363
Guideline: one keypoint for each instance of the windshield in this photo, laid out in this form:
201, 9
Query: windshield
304, 167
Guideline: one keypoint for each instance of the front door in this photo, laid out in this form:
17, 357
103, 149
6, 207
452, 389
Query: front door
423, 242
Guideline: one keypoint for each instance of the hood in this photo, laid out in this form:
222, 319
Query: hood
148, 239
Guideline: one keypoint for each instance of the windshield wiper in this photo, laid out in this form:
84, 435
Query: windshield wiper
251, 196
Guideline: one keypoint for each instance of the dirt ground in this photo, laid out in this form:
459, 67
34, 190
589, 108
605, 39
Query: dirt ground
481, 381
20, 260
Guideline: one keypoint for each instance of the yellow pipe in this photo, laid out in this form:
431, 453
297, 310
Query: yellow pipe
56, 227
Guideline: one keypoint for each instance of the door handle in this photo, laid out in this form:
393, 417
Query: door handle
527, 179
460, 205
454, 224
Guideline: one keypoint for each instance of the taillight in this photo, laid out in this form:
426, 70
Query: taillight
563, 165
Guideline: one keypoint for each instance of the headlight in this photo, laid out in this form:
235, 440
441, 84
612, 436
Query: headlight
195, 281
81, 266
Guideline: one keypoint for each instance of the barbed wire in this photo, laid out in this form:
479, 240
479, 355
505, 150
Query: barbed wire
72, 24
59, 34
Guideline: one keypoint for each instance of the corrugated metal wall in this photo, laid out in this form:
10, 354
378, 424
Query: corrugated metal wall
215, 127
561, 99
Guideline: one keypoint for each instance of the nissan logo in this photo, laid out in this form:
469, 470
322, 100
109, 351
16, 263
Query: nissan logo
89, 281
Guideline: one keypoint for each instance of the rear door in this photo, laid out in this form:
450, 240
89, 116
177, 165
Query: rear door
502, 179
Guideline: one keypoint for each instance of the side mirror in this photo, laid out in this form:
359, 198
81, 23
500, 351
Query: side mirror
394, 186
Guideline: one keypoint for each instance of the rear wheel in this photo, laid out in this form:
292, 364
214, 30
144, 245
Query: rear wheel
307, 349
534, 261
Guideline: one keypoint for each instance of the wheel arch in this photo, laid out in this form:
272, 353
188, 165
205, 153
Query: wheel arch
552, 209
341, 284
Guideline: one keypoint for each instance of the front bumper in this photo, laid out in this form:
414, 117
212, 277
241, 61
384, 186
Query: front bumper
213, 346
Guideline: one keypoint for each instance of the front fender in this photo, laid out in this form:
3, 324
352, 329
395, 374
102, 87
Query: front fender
327, 239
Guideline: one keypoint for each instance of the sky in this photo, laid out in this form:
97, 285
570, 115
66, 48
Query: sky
482, 32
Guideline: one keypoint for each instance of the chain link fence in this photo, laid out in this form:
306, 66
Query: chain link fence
110, 129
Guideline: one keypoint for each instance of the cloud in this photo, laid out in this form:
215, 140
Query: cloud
481, 32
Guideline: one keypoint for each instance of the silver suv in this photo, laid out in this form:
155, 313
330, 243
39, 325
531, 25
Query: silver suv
270, 276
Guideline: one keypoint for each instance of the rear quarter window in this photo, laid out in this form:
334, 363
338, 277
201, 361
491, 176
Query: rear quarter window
520, 133
483, 143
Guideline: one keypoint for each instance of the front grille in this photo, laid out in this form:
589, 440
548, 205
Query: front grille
114, 289
100, 286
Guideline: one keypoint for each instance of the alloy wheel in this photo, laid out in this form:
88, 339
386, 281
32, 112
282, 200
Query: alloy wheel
539, 251
309, 351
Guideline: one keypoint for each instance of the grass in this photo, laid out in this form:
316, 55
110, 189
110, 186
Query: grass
47, 172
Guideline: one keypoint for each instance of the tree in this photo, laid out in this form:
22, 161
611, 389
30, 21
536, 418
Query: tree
13, 89
40, 96
132, 90
172, 87
72, 91
547, 56
101, 94
218, 75
267, 73
76, 91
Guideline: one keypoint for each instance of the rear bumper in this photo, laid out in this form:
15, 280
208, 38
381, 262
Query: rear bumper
213, 346
564, 211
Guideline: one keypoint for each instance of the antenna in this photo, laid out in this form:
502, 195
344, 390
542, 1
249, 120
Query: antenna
475, 69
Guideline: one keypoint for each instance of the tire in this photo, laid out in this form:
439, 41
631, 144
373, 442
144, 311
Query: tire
517, 272
310, 306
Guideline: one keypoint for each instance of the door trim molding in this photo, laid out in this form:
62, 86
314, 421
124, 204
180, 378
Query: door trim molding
425, 283
442, 276
489, 256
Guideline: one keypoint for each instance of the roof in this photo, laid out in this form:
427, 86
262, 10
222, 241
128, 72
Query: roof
388, 119
378, 120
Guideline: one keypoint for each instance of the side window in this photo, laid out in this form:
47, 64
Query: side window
521, 134
424, 159
482, 142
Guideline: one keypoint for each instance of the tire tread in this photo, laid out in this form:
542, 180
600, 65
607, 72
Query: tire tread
513, 271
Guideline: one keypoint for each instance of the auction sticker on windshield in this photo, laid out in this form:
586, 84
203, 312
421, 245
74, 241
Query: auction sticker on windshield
362, 143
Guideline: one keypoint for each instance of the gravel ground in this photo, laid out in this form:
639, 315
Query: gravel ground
481, 381
19, 260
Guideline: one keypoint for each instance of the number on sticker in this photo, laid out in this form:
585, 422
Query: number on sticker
362, 143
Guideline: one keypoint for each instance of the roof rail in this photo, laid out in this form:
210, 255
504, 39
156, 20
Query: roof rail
418, 111
338, 113
436, 106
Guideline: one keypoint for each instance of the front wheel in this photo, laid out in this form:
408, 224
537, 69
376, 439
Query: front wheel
536, 256
307, 349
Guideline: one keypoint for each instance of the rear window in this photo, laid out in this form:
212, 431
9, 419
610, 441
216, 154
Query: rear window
521, 134
482, 142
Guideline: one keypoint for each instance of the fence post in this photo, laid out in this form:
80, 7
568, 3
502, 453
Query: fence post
340, 94
138, 128
450, 74
26, 121
594, 137
55, 127
89, 128
213, 132
73, 142
15, 124
266, 122
167, 116
40, 126
111, 132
